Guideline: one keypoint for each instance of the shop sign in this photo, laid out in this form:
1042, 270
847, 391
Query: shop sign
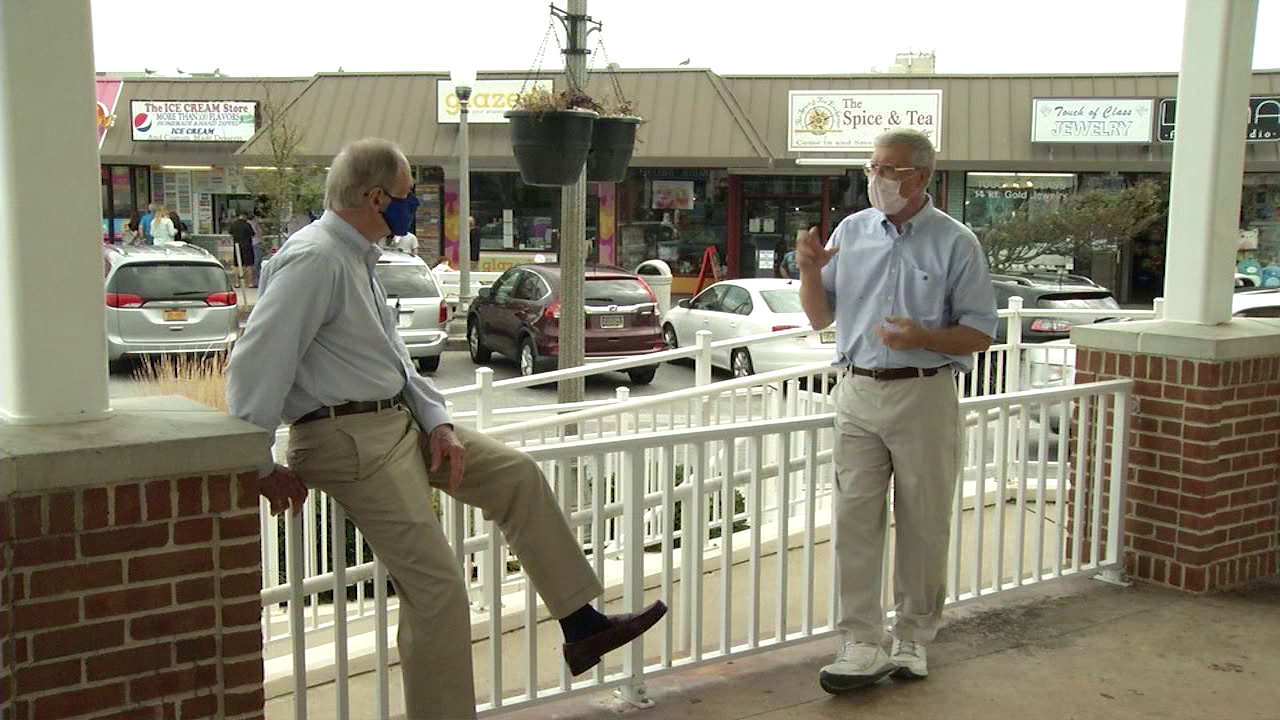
489, 99
229, 121
108, 93
1091, 120
1263, 125
850, 120
673, 194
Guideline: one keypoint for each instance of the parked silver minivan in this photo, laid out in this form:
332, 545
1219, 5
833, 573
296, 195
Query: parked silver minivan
421, 312
171, 299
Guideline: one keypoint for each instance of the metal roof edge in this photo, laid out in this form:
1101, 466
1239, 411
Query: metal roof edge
288, 106
740, 116
964, 76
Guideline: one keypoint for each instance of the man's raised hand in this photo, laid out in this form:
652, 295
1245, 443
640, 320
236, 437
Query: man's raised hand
811, 256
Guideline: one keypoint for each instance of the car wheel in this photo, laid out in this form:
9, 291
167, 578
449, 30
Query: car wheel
669, 337
740, 363
528, 358
642, 375
479, 353
429, 364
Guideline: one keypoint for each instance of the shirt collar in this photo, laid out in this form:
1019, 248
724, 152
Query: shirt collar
350, 237
909, 225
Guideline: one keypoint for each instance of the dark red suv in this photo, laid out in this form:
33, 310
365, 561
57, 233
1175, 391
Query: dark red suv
519, 316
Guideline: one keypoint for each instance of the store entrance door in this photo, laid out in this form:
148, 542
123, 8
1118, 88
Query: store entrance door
769, 231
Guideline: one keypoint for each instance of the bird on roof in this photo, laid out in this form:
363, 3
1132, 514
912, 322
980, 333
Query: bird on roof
686, 62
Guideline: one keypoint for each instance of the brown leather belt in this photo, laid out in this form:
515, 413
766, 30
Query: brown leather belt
892, 373
351, 408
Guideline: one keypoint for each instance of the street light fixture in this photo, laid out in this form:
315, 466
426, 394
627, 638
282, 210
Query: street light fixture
464, 79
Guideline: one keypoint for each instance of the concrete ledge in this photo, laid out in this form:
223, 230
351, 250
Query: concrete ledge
1240, 339
146, 437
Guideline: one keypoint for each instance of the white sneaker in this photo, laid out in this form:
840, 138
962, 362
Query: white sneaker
911, 660
859, 664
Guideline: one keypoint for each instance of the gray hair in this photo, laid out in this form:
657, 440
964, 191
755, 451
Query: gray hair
360, 167
922, 153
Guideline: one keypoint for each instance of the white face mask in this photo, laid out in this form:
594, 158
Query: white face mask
885, 196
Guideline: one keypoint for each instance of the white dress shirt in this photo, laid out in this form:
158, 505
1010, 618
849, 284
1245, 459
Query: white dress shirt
321, 334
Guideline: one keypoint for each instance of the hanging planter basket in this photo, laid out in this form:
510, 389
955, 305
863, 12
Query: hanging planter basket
612, 142
551, 148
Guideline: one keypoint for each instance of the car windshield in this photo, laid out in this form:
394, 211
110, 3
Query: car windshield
785, 300
169, 281
1079, 301
616, 291
408, 280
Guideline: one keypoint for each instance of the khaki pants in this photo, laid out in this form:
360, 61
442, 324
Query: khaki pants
375, 466
908, 429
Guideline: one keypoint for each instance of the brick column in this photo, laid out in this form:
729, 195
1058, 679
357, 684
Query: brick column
1201, 499
141, 597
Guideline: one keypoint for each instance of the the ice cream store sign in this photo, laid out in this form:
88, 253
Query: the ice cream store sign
1091, 120
193, 120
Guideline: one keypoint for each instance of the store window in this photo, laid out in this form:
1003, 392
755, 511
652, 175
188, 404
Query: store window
512, 216
673, 215
1260, 219
992, 198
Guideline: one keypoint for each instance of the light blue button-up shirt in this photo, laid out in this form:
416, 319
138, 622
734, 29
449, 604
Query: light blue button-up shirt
321, 334
934, 272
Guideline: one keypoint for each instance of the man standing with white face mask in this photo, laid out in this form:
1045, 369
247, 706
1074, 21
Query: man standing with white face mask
909, 291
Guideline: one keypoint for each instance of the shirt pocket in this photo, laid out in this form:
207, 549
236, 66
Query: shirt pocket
924, 294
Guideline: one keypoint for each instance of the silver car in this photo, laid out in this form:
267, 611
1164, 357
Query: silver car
173, 299
420, 308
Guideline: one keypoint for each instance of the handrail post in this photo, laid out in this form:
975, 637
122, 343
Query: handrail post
1013, 356
1157, 308
1121, 403
633, 690
702, 361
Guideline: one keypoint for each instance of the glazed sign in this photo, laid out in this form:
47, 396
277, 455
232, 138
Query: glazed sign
1091, 120
193, 120
849, 121
489, 99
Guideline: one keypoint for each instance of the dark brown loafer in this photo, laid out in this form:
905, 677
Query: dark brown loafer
584, 654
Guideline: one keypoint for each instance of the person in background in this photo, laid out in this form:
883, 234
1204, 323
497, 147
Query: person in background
474, 234
145, 223
180, 228
131, 233
263, 245
163, 231
788, 268
242, 233
406, 243
908, 289
321, 353
442, 264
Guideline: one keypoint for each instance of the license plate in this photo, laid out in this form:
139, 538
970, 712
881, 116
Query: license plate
176, 315
405, 320
828, 337
610, 322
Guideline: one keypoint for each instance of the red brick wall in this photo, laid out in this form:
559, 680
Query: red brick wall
1201, 501
141, 598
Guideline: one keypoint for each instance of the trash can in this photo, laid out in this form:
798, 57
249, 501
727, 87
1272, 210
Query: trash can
658, 274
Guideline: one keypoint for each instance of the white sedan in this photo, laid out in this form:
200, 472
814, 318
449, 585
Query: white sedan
738, 308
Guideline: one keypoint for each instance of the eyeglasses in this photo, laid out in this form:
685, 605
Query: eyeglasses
413, 190
891, 172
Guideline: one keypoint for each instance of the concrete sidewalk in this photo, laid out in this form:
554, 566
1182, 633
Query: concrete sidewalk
1077, 649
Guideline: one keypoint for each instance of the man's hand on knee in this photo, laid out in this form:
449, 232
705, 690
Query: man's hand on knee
445, 444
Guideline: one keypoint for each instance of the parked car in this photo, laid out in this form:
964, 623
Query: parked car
169, 299
1053, 363
519, 317
738, 308
1048, 291
420, 308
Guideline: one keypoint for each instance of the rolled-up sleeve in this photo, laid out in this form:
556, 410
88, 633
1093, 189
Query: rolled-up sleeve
294, 302
973, 299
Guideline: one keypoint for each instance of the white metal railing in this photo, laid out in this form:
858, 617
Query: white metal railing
799, 391
765, 510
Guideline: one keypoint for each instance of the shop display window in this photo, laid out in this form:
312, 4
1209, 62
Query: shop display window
673, 215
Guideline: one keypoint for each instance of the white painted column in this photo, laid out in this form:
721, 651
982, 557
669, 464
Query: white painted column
53, 357
1208, 159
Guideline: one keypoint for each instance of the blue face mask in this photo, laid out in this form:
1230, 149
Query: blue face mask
399, 213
